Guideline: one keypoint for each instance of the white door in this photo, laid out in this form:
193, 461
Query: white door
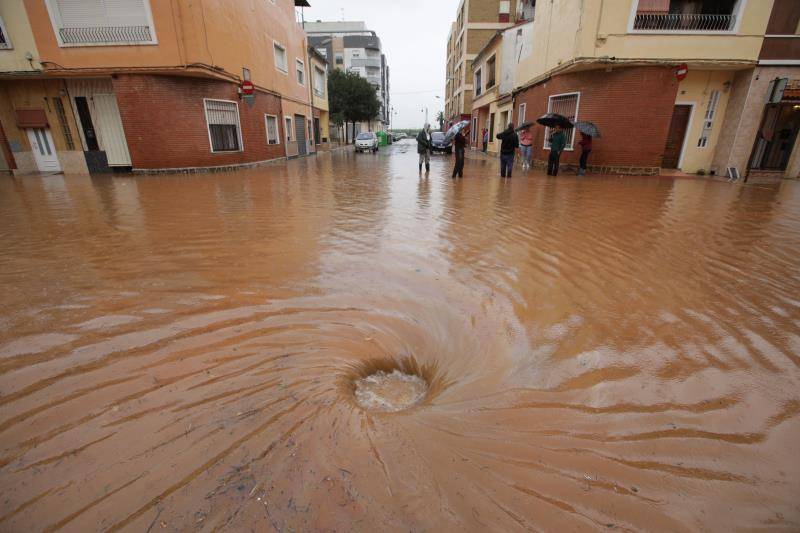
44, 151
109, 126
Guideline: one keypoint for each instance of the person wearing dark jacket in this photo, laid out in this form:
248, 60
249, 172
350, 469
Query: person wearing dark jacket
509, 142
586, 148
557, 143
425, 147
459, 143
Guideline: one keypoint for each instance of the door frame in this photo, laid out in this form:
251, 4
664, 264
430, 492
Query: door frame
689, 122
29, 132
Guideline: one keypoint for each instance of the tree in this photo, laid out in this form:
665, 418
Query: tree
351, 97
440, 120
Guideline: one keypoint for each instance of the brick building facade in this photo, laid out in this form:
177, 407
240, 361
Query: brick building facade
173, 133
632, 106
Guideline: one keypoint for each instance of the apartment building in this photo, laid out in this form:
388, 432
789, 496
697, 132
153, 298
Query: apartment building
147, 86
477, 21
350, 46
693, 85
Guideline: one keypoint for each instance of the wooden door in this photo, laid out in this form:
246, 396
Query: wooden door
676, 135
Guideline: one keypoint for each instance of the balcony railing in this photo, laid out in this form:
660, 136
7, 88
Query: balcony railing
683, 22
106, 35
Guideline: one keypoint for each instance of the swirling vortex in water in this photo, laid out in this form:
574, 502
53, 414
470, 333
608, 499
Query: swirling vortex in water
605, 353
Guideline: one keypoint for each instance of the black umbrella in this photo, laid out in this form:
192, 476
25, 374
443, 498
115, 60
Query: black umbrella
589, 128
525, 125
554, 119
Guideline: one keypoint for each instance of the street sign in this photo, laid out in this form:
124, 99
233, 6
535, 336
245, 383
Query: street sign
682, 71
247, 87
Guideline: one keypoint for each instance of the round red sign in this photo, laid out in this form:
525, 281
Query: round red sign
682, 71
248, 87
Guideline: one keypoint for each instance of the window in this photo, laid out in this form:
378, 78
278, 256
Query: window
474, 129
288, 129
490, 74
273, 135
339, 59
62, 121
503, 120
102, 22
319, 82
686, 15
224, 131
301, 72
280, 58
5, 42
478, 84
521, 115
708, 122
246, 74
567, 105
491, 127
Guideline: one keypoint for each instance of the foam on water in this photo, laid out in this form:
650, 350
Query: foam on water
389, 391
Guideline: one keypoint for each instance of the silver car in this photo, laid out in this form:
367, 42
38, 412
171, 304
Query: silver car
366, 141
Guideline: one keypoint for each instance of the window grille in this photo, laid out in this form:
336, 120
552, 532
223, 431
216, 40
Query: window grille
5, 42
62, 121
708, 123
301, 72
566, 105
319, 82
223, 126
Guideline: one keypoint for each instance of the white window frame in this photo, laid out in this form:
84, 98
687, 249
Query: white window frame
321, 93
8, 44
300, 66
571, 143
275, 46
55, 21
523, 108
738, 22
478, 87
267, 116
238, 126
288, 123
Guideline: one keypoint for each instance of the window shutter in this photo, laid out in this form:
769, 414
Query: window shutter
81, 13
125, 12
221, 112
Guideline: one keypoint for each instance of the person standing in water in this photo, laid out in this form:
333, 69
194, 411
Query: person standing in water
424, 147
526, 147
485, 137
459, 144
509, 142
586, 148
557, 143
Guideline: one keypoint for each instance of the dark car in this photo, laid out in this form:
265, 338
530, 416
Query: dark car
439, 144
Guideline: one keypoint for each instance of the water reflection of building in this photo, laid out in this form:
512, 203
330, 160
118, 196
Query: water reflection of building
146, 85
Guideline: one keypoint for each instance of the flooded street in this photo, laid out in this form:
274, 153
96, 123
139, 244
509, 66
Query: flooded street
184, 352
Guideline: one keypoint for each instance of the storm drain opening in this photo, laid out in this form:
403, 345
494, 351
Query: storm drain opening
391, 386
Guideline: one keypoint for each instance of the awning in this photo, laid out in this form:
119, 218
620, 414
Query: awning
653, 6
31, 118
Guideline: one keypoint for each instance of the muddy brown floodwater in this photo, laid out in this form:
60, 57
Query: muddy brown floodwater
185, 352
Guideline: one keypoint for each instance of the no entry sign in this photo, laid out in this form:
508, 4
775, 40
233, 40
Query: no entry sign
682, 71
248, 88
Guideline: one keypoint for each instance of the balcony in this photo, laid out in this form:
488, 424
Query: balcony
680, 22
366, 62
106, 35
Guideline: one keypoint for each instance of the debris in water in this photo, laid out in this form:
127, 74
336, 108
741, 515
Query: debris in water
390, 391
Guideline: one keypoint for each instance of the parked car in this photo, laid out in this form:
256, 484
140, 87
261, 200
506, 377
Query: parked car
439, 144
399, 136
366, 141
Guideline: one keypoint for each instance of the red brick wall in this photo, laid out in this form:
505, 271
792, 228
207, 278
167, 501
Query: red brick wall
165, 124
632, 107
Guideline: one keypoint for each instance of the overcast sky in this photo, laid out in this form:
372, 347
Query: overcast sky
413, 36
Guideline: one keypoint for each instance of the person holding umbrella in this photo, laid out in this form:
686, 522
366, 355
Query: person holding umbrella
588, 131
459, 143
557, 143
509, 142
